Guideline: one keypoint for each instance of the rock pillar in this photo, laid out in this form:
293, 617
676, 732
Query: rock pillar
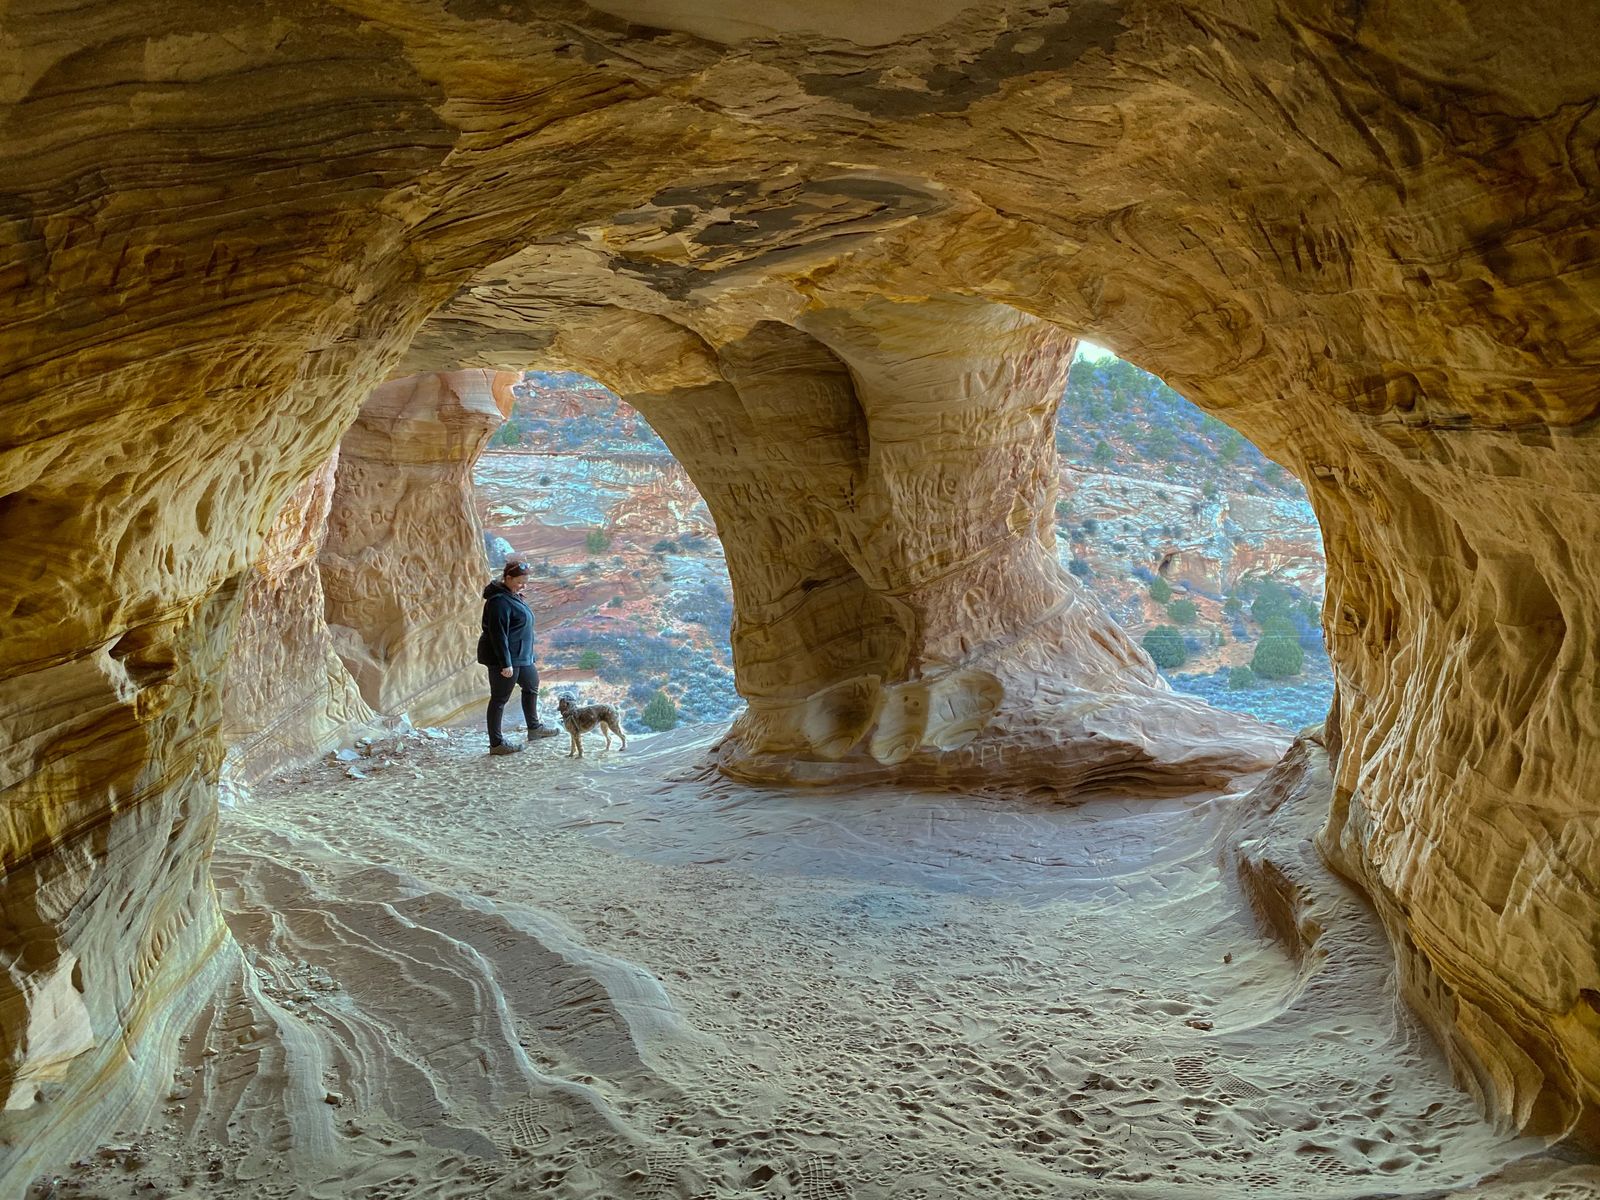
403, 566
884, 481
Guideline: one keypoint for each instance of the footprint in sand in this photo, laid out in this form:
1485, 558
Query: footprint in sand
1233, 1087
819, 1179
528, 1123
1191, 1072
662, 1167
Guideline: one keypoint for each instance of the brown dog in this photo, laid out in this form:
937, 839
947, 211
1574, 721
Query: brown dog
578, 719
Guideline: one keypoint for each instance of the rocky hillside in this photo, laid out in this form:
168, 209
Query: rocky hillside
1177, 525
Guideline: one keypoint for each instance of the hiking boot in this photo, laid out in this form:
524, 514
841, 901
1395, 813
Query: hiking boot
506, 748
542, 730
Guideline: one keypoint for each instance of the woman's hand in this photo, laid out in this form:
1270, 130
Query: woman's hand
506, 672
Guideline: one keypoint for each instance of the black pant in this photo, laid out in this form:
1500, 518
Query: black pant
500, 688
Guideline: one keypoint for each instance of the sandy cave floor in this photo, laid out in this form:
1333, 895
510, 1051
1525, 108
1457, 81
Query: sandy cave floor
622, 977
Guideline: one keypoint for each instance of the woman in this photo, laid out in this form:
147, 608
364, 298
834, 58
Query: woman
506, 648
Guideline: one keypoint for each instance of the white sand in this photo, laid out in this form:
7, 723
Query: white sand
515, 976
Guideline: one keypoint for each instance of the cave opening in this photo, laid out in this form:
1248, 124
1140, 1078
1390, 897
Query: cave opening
629, 587
1204, 550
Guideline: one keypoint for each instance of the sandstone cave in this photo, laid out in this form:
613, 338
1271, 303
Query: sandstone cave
967, 901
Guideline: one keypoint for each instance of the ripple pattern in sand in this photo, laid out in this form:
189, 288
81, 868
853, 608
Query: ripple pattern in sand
618, 978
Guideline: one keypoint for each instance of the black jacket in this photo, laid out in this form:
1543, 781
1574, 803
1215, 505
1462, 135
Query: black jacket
507, 639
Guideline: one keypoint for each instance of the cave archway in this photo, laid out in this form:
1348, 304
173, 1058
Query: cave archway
1363, 243
848, 462
884, 479
586, 492
629, 586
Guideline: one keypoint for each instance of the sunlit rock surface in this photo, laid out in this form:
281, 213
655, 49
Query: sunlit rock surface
1363, 236
403, 564
900, 612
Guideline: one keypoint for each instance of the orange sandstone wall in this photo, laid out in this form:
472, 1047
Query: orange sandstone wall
1364, 235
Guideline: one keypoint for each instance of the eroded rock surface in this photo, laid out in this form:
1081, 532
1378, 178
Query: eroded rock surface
389, 527
901, 612
403, 564
287, 695
1361, 235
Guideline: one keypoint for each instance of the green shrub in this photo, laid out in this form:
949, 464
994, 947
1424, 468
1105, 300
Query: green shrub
597, 540
1279, 625
1272, 600
589, 660
1164, 645
1161, 442
1277, 656
1104, 455
661, 714
1160, 590
1079, 568
1184, 612
1233, 606
616, 601
1240, 678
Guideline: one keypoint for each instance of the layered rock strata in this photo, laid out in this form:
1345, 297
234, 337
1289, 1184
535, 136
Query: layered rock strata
403, 563
108, 921
884, 481
1362, 235
287, 695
